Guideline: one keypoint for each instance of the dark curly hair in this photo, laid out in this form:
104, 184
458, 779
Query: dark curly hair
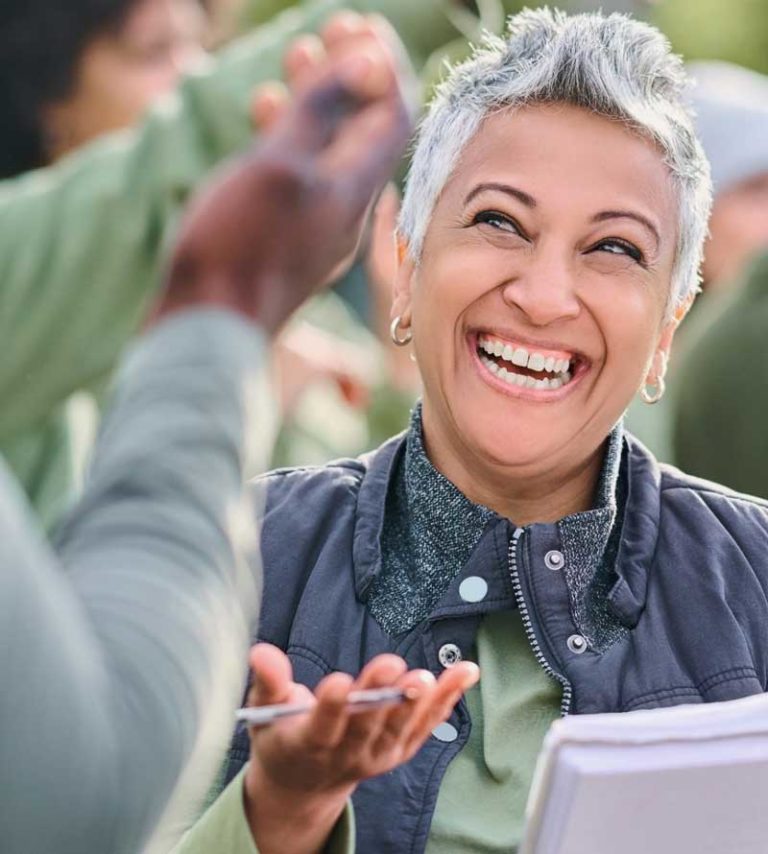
41, 42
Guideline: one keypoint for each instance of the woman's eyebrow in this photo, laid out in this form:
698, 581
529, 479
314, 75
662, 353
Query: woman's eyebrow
521, 196
638, 217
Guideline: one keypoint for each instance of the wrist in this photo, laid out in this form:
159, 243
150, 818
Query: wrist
286, 820
261, 299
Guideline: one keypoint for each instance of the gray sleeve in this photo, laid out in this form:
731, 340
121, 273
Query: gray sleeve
125, 644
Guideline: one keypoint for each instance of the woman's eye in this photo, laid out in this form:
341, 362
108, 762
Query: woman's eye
620, 247
496, 220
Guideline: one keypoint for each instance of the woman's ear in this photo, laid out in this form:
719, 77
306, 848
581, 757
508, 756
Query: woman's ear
670, 327
403, 284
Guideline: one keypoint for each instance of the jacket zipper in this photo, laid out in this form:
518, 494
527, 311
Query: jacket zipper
514, 544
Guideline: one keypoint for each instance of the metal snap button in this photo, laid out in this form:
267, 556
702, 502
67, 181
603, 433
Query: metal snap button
449, 654
554, 560
577, 644
445, 732
473, 589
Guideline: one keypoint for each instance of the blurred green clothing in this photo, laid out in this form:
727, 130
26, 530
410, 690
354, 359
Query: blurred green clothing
481, 805
424, 26
81, 243
720, 429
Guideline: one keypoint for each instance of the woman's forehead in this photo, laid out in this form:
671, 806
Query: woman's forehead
558, 152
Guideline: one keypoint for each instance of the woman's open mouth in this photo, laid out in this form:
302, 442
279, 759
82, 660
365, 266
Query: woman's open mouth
525, 367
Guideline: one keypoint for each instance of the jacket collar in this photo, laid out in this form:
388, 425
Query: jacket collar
636, 538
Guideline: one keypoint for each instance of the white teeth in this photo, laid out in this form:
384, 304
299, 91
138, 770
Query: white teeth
519, 357
522, 358
524, 381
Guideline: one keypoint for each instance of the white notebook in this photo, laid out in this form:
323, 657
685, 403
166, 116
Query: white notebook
683, 780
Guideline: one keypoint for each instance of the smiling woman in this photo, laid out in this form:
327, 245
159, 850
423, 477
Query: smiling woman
552, 268
550, 241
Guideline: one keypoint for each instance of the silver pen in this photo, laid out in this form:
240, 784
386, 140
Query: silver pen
358, 701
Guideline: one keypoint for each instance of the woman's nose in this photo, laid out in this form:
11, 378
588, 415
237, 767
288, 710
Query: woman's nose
545, 291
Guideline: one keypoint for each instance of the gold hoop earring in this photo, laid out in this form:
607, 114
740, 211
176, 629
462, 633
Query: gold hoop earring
655, 396
396, 339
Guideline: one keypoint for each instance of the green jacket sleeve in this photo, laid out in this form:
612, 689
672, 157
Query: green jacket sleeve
81, 243
223, 828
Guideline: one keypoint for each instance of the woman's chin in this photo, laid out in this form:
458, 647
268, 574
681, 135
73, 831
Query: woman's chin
511, 445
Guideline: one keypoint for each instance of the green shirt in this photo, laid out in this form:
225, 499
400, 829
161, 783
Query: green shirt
224, 828
481, 805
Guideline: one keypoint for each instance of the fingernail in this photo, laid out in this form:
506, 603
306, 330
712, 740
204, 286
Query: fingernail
347, 22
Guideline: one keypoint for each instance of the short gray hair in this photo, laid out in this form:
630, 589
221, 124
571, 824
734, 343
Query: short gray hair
609, 64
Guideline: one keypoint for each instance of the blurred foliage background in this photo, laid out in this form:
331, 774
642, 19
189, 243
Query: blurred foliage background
736, 30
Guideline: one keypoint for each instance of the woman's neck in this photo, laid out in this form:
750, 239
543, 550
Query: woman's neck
524, 494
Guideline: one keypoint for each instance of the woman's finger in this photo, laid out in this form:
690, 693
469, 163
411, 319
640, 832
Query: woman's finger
448, 691
419, 686
272, 675
328, 722
383, 671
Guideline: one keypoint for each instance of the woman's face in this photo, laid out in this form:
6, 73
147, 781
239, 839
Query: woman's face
539, 301
121, 74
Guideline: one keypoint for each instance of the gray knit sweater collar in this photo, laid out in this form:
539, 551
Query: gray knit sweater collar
431, 528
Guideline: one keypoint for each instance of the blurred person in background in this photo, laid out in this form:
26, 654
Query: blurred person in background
720, 426
730, 106
77, 70
81, 242
720, 416
120, 648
